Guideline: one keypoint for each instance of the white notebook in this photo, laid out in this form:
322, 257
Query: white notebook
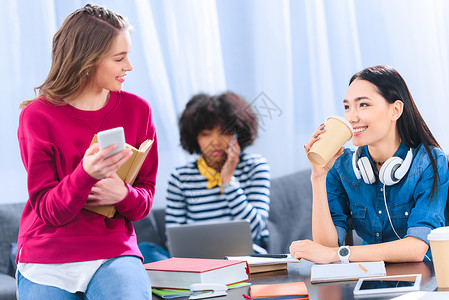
347, 271
424, 296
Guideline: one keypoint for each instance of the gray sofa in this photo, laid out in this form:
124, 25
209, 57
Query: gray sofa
290, 219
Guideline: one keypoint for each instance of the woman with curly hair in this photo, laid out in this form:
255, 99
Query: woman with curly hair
224, 183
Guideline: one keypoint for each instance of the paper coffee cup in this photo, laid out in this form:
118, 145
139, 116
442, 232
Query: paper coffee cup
338, 132
439, 245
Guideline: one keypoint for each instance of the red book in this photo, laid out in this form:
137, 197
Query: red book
291, 290
181, 273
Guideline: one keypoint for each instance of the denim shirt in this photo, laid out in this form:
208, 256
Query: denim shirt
412, 211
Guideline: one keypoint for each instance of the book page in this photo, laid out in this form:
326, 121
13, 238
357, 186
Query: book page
256, 261
139, 157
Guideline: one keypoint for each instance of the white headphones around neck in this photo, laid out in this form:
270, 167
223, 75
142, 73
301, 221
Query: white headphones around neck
391, 172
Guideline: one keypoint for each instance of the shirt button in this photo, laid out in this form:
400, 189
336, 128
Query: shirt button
380, 212
406, 213
381, 189
351, 212
377, 234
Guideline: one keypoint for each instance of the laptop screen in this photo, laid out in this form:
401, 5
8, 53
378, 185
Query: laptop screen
210, 240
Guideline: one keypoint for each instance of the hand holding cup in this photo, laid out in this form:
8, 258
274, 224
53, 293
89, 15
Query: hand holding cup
327, 142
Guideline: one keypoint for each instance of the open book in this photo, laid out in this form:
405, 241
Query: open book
265, 264
127, 172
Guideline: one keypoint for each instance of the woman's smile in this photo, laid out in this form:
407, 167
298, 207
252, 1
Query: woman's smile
359, 130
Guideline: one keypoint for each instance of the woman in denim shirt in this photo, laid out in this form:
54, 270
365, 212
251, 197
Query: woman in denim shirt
387, 125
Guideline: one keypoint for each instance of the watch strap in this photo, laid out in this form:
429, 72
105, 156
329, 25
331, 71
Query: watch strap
343, 253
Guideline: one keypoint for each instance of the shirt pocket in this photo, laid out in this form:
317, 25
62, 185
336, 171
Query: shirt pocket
399, 216
358, 218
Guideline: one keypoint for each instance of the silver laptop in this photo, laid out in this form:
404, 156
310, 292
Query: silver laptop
210, 240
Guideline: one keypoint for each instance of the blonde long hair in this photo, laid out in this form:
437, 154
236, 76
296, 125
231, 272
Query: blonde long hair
78, 46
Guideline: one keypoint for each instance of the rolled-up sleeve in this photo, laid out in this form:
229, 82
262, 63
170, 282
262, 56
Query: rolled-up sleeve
419, 232
429, 213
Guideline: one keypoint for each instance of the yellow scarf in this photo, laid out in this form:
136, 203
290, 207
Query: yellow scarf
213, 176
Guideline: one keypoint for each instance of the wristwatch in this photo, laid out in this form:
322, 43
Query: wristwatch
343, 253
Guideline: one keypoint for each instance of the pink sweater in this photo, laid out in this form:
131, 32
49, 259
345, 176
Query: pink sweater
54, 227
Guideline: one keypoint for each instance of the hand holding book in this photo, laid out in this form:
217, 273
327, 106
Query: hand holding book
128, 173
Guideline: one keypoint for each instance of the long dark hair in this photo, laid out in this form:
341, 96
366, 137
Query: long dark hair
412, 128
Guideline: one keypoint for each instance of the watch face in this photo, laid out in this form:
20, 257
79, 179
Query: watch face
344, 251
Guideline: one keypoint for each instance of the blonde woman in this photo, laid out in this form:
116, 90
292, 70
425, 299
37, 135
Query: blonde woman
65, 251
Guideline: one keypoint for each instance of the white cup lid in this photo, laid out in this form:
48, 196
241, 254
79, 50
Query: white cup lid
439, 234
344, 121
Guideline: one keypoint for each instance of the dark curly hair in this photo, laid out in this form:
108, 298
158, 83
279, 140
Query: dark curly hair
228, 111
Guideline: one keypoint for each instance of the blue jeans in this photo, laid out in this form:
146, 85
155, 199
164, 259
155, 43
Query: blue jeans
119, 278
152, 252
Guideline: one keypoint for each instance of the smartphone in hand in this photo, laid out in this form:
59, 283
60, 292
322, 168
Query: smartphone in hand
112, 136
234, 138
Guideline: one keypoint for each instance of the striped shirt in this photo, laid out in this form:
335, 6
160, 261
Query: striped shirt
246, 198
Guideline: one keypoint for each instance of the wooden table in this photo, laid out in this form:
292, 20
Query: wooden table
330, 291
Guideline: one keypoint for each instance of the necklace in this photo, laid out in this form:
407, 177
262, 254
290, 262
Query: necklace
380, 163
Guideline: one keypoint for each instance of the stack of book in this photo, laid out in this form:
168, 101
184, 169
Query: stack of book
181, 273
